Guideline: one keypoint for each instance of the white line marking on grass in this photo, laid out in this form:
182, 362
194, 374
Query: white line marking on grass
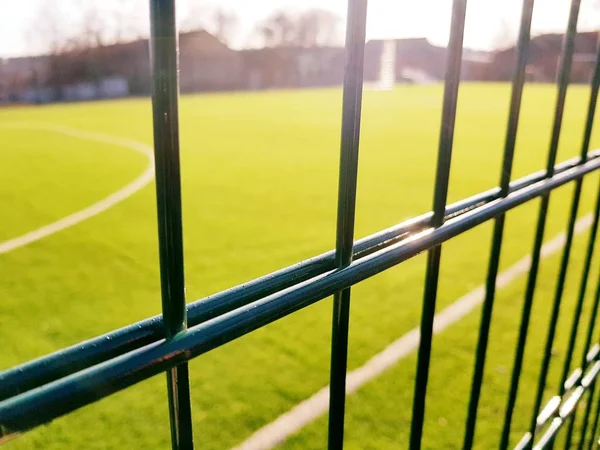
98, 207
310, 409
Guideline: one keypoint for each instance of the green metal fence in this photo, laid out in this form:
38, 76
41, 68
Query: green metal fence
39, 391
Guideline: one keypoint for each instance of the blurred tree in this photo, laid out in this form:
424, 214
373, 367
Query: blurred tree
196, 16
317, 28
221, 23
277, 30
310, 28
48, 34
129, 20
75, 43
506, 34
224, 25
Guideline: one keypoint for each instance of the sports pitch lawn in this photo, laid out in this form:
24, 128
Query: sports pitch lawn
259, 190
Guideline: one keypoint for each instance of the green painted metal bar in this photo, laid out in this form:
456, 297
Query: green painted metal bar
506, 171
65, 362
591, 326
588, 340
567, 409
351, 112
165, 93
585, 422
595, 84
594, 437
580, 383
452, 81
575, 203
592, 321
562, 82
577, 314
575, 378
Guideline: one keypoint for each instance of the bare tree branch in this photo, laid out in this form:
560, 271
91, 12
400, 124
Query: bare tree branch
310, 28
224, 26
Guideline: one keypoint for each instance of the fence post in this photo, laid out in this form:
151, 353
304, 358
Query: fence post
165, 94
351, 112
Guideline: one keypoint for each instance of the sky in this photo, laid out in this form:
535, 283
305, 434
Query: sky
487, 20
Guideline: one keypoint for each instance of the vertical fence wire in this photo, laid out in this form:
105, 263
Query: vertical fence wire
562, 82
351, 113
164, 60
575, 201
589, 251
584, 423
592, 444
452, 80
588, 340
505, 176
591, 324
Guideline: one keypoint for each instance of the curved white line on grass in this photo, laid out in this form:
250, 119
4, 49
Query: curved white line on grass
73, 219
315, 406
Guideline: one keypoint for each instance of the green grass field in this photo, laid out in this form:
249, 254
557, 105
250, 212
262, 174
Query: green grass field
259, 192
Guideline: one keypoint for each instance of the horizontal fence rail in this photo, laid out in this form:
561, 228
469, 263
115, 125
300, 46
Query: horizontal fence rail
44, 389
123, 340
